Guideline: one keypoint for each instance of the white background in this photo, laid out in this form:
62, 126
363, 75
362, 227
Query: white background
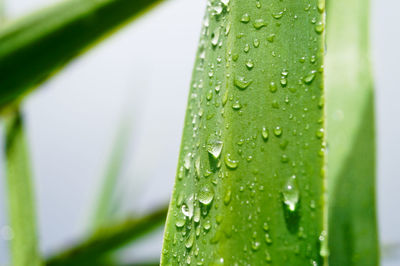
145, 71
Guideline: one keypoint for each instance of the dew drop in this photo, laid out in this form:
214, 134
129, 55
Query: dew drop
265, 133
215, 37
278, 131
268, 239
273, 87
242, 83
291, 194
321, 6
246, 48
277, 15
196, 215
180, 223
283, 82
259, 23
271, 37
206, 195
227, 197
310, 77
207, 225
189, 241
250, 64
256, 43
324, 250
319, 27
236, 105
214, 147
230, 163
255, 245
320, 133
187, 208
225, 2
268, 258
187, 161
266, 227
245, 18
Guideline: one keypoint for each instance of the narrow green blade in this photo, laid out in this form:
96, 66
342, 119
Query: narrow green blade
107, 204
353, 238
33, 48
24, 245
108, 239
250, 179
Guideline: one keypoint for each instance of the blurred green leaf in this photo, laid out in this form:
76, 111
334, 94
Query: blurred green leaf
35, 47
24, 244
108, 239
353, 236
2, 12
107, 202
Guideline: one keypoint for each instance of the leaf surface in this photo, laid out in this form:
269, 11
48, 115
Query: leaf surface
250, 185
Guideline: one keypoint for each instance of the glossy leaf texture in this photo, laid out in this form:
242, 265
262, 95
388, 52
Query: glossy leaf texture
250, 185
22, 218
35, 47
353, 236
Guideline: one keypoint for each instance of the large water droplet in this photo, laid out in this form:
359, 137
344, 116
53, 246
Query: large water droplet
230, 163
214, 147
206, 195
187, 208
291, 194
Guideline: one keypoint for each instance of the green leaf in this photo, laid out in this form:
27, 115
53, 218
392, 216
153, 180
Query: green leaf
24, 245
107, 203
353, 237
35, 47
108, 239
250, 186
